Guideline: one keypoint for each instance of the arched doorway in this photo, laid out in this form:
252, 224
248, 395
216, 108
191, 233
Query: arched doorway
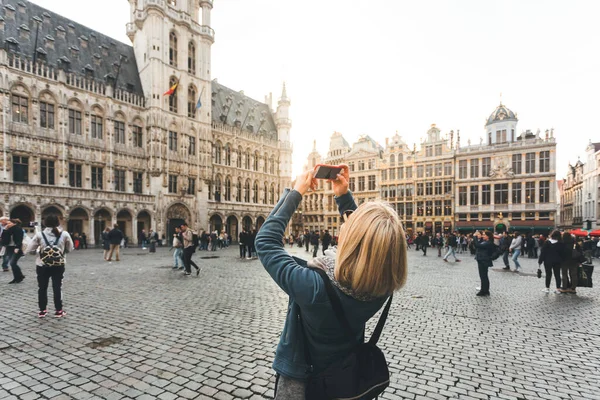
52, 210
177, 214
232, 228
124, 220
501, 228
102, 220
259, 222
216, 223
247, 223
79, 221
24, 213
144, 222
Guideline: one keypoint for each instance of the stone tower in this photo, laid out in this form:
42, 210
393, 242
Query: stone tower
284, 124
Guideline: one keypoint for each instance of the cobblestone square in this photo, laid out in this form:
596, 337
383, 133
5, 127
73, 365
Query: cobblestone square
137, 329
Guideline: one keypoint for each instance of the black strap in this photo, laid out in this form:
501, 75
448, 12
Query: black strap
55, 242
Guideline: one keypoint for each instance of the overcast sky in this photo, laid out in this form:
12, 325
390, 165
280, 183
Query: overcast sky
379, 66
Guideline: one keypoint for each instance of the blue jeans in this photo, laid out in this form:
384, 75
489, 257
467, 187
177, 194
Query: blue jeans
177, 257
516, 254
451, 252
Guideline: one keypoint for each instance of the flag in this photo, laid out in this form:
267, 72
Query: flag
172, 90
199, 103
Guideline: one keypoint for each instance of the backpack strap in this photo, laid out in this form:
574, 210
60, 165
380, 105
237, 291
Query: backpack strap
58, 239
45, 239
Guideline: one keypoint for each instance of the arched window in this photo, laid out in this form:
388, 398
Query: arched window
97, 123
255, 193
392, 160
138, 134
119, 129
247, 164
218, 189
191, 103
227, 154
20, 105
238, 195
247, 191
272, 194
265, 193
265, 163
47, 111
173, 97
228, 189
239, 157
272, 165
191, 58
173, 49
400, 157
218, 152
75, 118
256, 160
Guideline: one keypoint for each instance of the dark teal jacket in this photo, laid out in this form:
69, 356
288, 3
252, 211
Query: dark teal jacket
327, 340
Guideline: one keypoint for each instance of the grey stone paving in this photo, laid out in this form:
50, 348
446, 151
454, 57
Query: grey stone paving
139, 330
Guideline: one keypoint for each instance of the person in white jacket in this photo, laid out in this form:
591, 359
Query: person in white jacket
50, 236
515, 249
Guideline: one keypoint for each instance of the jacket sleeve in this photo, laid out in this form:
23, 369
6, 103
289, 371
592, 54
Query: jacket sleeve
34, 243
346, 202
301, 284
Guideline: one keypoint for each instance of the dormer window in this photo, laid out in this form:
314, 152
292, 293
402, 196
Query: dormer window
83, 41
49, 42
41, 54
47, 18
104, 50
22, 7
97, 59
24, 31
74, 52
61, 32
12, 45
71, 28
10, 11
64, 63
89, 71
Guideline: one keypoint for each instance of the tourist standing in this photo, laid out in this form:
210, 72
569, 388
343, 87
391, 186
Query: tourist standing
314, 242
188, 250
50, 263
242, 243
84, 241
12, 240
424, 243
551, 256
484, 245
105, 242
326, 241
306, 239
115, 236
571, 258
515, 248
177, 249
5, 256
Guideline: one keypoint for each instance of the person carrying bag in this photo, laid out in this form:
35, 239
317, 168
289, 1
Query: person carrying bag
328, 309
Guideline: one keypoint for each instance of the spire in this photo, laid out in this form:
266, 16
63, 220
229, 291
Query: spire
314, 141
284, 92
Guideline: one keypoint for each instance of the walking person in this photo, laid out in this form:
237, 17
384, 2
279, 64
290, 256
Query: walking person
306, 239
369, 267
551, 256
242, 243
505, 242
571, 258
314, 242
515, 248
484, 245
424, 243
115, 236
188, 250
177, 249
12, 240
50, 263
84, 241
452, 245
5, 257
105, 242
326, 241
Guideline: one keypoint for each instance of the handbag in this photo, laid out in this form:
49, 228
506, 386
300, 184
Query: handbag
584, 275
362, 374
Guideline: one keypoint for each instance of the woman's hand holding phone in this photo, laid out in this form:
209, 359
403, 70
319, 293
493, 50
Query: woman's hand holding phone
304, 182
340, 184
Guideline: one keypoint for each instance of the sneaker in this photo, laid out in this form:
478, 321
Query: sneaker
187, 273
59, 314
480, 293
445, 260
546, 290
507, 268
175, 267
197, 271
181, 268
42, 314
456, 260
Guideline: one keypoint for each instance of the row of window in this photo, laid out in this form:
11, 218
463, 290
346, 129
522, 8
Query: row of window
214, 191
476, 168
361, 183
192, 99
174, 51
222, 155
360, 165
173, 143
482, 194
530, 215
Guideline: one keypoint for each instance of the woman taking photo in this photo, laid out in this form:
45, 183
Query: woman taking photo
369, 266
12, 240
49, 237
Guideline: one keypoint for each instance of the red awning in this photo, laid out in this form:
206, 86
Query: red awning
579, 232
595, 233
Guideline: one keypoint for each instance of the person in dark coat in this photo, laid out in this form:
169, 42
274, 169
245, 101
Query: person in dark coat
326, 240
424, 243
242, 242
12, 240
484, 247
569, 264
105, 242
115, 236
314, 241
551, 256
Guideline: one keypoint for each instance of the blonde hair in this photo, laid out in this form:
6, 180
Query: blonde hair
371, 256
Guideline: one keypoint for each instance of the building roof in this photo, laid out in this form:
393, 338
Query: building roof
337, 141
501, 113
235, 109
77, 49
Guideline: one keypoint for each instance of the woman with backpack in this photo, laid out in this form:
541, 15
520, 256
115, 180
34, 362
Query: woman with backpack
551, 256
369, 266
50, 263
12, 240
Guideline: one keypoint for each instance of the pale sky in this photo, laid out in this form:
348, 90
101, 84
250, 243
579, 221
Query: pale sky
379, 66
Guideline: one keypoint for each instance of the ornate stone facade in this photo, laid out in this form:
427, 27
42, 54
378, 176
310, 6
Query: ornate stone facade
88, 134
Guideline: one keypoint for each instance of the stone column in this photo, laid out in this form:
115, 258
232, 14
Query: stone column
91, 237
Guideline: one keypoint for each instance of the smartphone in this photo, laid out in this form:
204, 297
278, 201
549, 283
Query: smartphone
323, 171
32, 224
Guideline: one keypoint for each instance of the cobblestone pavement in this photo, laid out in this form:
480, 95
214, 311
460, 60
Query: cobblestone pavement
139, 330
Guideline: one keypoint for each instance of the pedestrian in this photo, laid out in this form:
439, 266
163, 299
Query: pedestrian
306, 239
515, 248
551, 256
369, 266
326, 241
114, 238
484, 245
571, 258
84, 241
152, 240
76, 241
53, 245
12, 240
242, 243
424, 243
188, 250
5, 257
452, 245
314, 242
252, 243
105, 242
505, 242
177, 249
142, 239
588, 249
